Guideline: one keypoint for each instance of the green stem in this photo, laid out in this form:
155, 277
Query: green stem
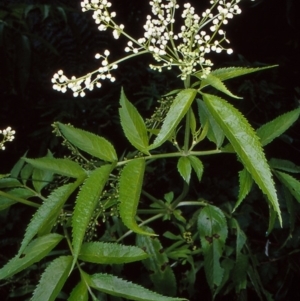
147, 221
192, 203
151, 211
181, 196
153, 199
20, 200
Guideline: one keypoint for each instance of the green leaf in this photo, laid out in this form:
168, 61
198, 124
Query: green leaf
86, 202
17, 192
231, 72
79, 293
34, 252
26, 173
273, 129
159, 270
184, 168
41, 178
197, 166
240, 270
131, 182
63, 167
88, 142
47, 213
217, 83
110, 253
15, 171
133, 125
212, 228
291, 184
246, 182
178, 109
246, 144
9, 183
53, 279
115, 286
214, 134
284, 165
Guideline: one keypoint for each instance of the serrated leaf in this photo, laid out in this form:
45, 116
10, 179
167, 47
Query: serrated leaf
178, 109
34, 252
86, 202
184, 168
273, 129
47, 213
79, 292
110, 253
291, 184
246, 144
214, 133
131, 182
115, 286
231, 72
212, 228
197, 166
157, 264
246, 182
88, 142
133, 125
63, 167
284, 165
217, 83
53, 279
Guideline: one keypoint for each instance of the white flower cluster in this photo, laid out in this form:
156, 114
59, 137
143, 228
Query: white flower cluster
8, 135
188, 49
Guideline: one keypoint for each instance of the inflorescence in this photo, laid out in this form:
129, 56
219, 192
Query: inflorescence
188, 49
8, 135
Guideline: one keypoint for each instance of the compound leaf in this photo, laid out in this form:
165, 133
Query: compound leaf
53, 279
197, 166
